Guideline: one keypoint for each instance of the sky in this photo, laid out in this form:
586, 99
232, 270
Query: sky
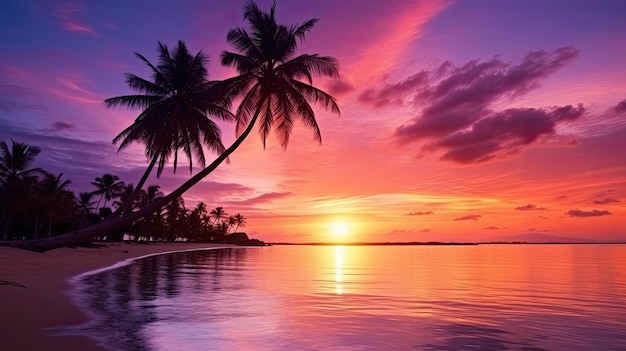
460, 120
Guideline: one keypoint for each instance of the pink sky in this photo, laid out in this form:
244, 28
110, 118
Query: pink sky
465, 121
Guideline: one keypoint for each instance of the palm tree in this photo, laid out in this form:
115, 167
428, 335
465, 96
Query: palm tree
84, 205
176, 104
274, 86
109, 186
16, 180
16, 162
240, 221
56, 202
218, 214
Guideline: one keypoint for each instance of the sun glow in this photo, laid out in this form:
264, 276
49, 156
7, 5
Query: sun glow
339, 229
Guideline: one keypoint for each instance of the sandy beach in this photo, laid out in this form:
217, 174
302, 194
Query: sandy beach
33, 291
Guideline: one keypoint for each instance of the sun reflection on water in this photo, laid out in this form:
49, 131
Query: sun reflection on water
339, 255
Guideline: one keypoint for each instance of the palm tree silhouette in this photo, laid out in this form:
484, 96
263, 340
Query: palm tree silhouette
218, 214
16, 179
175, 103
108, 187
240, 221
275, 86
55, 202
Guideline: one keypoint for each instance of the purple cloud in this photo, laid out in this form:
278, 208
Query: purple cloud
339, 87
604, 201
392, 94
57, 126
620, 107
401, 232
420, 213
456, 102
492, 227
592, 213
529, 207
468, 218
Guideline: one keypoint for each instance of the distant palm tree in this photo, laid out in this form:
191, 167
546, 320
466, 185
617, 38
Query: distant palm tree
176, 103
17, 181
218, 214
240, 221
108, 186
56, 202
16, 161
84, 205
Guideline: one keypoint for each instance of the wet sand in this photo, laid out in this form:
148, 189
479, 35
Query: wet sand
33, 291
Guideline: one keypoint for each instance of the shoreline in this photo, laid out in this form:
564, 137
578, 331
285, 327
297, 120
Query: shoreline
34, 290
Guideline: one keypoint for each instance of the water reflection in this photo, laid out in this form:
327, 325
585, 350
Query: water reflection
339, 253
368, 298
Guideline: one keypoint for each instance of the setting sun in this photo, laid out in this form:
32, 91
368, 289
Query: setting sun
339, 229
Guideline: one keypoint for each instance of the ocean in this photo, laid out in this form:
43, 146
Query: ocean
352, 298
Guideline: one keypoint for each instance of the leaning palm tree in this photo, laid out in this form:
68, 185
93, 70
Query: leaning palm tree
240, 221
176, 104
275, 87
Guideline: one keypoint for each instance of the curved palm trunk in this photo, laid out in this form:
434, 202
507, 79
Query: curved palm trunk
126, 204
115, 223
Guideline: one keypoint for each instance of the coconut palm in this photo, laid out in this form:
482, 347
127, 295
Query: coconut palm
218, 214
176, 103
240, 221
16, 161
56, 202
108, 186
275, 86
84, 205
17, 180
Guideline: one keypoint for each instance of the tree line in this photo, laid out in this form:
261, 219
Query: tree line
35, 204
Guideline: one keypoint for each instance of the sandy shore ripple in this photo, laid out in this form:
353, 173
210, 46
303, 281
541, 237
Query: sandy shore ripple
33, 291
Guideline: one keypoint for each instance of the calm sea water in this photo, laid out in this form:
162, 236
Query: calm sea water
486, 297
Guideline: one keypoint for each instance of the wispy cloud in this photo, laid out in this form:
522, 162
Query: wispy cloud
420, 213
68, 14
468, 218
604, 201
592, 213
529, 207
492, 227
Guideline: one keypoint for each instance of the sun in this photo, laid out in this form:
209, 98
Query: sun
339, 229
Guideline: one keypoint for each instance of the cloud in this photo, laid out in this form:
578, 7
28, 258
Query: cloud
492, 227
529, 207
57, 126
620, 107
67, 14
425, 230
468, 217
456, 114
419, 213
607, 200
392, 94
592, 213
339, 87
263, 198
402, 232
